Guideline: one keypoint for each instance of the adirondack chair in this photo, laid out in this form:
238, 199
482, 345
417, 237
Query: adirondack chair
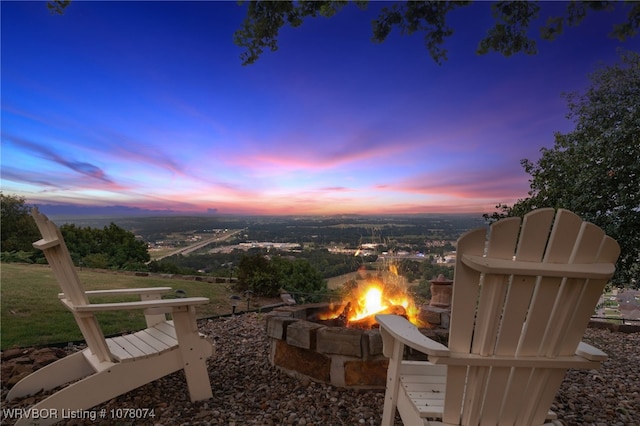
113, 366
520, 305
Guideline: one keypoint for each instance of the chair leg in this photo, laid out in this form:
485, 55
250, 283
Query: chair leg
194, 351
65, 370
105, 385
197, 374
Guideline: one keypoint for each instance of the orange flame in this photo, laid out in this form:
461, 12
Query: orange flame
375, 297
369, 304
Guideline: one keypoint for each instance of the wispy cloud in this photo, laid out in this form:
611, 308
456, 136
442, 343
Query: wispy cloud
459, 183
13, 174
83, 168
159, 114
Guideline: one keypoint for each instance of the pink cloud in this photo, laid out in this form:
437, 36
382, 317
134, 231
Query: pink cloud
496, 184
318, 152
336, 189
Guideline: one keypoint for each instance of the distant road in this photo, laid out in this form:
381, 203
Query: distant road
201, 244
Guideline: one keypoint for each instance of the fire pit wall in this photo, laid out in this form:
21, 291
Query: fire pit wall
341, 356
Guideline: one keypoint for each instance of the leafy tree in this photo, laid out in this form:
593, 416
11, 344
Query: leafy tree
16, 256
167, 267
123, 247
430, 271
111, 247
248, 271
410, 269
594, 170
58, 6
96, 260
19, 230
266, 276
298, 276
509, 34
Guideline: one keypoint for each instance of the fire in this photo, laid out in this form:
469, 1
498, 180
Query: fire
379, 298
370, 304
375, 297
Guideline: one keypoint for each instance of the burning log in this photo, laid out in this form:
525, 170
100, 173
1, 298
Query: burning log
370, 320
341, 320
365, 323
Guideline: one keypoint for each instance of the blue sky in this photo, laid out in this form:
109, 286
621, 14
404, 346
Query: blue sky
146, 105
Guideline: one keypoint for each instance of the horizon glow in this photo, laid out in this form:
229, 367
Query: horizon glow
146, 105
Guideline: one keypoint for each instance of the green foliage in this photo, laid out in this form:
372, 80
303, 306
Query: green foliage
96, 260
17, 256
19, 230
508, 36
109, 248
430, 271
423, 290
409, 269
410, 17
218, 264
330, 264
264, 19
266, 276
225, 264
168, 267
594, 170
256, 273
299, 276
58, 6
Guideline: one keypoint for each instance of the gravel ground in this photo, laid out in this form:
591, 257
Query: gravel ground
247, 390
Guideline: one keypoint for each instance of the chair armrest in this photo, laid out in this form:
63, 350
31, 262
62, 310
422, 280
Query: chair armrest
475, 360
591, 353
124, 291
400, 329
143, 304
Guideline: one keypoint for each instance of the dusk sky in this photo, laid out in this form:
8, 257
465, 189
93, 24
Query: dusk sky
147, 105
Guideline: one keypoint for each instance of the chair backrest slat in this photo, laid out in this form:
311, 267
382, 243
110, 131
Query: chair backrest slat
608, 252
59, 259
502, 243
466, 284
559, 249
57, 255
534, 235
531, 245
496, 313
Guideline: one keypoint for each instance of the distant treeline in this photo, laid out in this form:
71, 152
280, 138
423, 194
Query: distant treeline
348, 230
258, 270
265, 271
225, 264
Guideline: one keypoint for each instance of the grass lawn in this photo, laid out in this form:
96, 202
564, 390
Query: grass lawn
31, 314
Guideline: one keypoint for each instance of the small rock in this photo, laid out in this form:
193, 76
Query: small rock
248, 390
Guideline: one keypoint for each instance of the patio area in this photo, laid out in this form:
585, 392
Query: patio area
248, 390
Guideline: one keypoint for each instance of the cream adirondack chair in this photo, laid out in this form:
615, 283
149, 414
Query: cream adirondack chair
521, 303
111, 367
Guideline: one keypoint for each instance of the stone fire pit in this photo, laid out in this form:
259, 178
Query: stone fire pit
341, 356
